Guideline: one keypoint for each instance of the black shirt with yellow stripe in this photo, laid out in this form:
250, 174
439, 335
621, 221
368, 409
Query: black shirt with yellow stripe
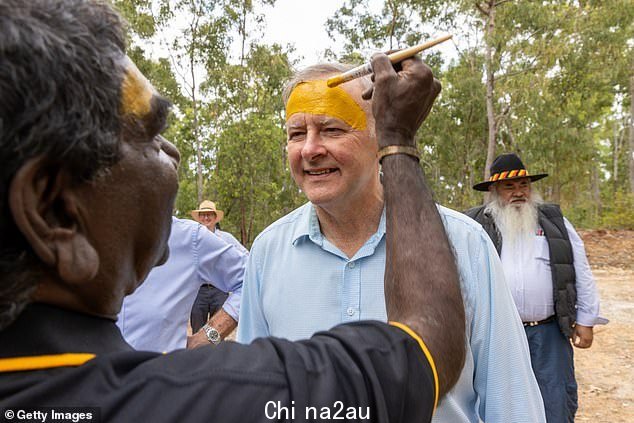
58, 358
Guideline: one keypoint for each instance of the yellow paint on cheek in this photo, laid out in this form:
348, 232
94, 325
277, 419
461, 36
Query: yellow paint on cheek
136, 93
315, 98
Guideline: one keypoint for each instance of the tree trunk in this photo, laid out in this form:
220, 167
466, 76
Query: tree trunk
630, 156
195, 128
394, 9
243, 223
556, 193
596, 193
490, 85
615, 156
199, 149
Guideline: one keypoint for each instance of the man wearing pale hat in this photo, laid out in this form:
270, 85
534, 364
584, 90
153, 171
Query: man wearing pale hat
545, 265
208, 215
209, 298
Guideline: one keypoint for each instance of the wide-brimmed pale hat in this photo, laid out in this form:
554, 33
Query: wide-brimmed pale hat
208, 206
505, 167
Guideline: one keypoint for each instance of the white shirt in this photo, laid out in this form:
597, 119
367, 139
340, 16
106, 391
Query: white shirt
527, 270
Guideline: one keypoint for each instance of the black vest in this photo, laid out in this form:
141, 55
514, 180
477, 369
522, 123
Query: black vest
561, 259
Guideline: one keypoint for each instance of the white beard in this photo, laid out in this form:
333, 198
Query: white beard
516, 224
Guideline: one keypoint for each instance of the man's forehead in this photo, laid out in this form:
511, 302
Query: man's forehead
521, 180
316, 98
136, 91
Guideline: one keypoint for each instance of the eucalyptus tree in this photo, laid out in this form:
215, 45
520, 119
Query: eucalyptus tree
555, 77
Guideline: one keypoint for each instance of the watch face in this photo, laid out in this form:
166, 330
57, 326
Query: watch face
212, 334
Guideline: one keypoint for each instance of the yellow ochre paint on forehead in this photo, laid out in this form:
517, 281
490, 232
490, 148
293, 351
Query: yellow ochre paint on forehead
315, 98
136, 93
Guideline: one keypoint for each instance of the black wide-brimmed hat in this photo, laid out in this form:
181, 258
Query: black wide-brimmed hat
505, 167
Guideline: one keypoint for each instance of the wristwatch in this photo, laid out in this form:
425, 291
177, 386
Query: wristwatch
212, 334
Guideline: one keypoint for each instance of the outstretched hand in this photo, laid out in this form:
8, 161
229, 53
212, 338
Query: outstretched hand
401, 99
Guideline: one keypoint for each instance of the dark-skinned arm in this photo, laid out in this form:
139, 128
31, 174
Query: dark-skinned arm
422, 287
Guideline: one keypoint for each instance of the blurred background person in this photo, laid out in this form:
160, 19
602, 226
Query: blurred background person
209, 298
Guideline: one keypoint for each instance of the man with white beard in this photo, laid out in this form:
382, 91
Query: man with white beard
547, 270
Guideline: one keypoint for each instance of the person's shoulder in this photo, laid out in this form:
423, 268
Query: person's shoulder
463, 231
183, 227
456, 220
285, 226
188, 233
551, 208
184, 224
227, 236
473, 211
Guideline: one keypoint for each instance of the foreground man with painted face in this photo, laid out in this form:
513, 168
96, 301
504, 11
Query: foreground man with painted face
87, 186
323, 264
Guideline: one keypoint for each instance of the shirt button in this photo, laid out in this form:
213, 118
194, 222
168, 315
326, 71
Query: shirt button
351, 265
350, 311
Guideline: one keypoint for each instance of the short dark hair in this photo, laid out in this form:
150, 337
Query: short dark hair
60, 84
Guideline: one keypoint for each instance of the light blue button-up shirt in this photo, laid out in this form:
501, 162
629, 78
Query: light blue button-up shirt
298, 283
155, 316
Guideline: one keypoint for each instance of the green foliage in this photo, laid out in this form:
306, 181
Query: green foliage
398, 24
559, 67
139, 15
618, 214
228, 120
454, 136
250, 174
562, 70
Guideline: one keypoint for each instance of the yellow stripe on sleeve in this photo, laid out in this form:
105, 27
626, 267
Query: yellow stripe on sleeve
423, 347
38, 362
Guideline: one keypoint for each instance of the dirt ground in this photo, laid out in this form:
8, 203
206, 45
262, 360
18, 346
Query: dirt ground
605, 372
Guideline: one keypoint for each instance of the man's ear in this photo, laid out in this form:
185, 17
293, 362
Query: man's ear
45, 209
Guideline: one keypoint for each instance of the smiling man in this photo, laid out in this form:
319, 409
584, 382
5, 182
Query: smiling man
548, 272
87, 187
323, 264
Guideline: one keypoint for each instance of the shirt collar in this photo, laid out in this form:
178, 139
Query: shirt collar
308, 227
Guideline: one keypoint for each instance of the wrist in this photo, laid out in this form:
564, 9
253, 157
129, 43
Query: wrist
395, 137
